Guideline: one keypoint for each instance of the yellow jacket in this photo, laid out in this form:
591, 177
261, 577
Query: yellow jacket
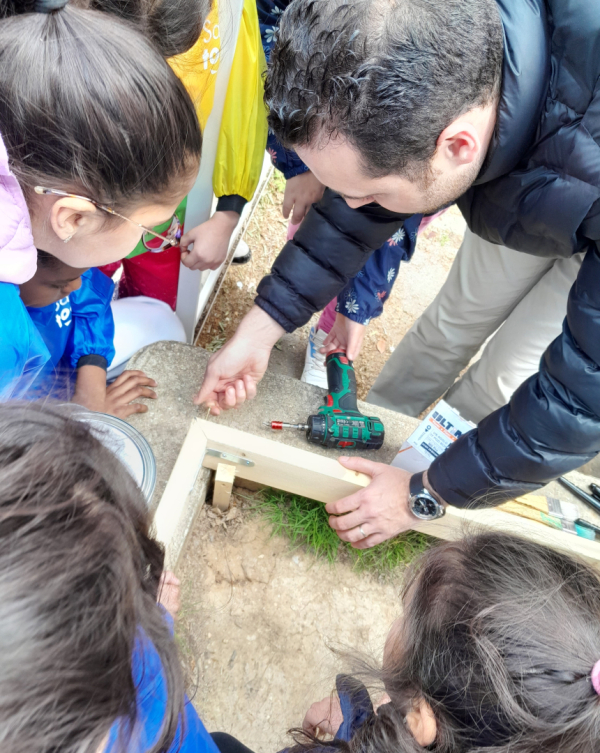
243, 133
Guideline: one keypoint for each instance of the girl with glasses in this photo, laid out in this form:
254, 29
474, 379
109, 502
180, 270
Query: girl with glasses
99, 142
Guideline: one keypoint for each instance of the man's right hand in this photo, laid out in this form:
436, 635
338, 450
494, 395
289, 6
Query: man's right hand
234, 371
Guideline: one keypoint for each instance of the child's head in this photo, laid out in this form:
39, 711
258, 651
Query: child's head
173, 25
78, 579
52, 281
89, 106
494, 651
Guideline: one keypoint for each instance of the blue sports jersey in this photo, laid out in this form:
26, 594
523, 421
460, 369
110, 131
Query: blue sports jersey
23, 352
151, 690
77, 330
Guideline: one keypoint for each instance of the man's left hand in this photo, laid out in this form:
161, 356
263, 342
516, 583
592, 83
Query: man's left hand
380, 509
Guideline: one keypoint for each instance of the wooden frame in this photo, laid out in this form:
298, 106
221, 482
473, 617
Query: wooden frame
324, 479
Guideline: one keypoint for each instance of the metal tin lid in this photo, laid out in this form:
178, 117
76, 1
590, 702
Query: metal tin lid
128, 444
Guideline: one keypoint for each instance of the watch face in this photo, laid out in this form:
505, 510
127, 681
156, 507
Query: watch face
425, 507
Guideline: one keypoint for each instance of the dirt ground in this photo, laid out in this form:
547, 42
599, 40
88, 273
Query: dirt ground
258, 622
258, 619
417, 284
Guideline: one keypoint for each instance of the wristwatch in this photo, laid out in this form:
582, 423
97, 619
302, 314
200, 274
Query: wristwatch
421, 503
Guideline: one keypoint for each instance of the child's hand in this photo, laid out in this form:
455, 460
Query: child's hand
93, 393
345, 335
128, 387
169, 593
324, 717
210, 240
300, 192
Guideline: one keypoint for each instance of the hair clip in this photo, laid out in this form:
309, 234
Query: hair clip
595, 677
48, 6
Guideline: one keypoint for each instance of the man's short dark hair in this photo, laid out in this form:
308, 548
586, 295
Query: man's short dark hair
388, 75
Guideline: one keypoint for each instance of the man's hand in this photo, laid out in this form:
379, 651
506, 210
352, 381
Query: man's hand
380, 509
210, 241
345, 335
324, 717
300, 192
234, 371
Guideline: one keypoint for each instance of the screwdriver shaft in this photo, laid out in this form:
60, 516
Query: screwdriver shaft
279, 425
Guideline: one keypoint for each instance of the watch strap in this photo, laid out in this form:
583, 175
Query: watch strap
416, 485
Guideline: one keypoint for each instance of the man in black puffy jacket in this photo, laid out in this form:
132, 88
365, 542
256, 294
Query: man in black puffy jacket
402, 106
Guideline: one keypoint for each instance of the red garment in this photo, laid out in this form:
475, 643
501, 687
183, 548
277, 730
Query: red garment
153, 275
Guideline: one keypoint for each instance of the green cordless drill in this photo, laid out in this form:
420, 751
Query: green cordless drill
339, 423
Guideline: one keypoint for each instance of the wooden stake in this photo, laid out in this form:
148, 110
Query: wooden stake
224, 478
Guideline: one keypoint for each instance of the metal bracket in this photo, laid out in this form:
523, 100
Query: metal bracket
227, 456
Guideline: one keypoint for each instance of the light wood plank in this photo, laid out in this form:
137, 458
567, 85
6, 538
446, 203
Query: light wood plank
280, 466
457, 522
180, 484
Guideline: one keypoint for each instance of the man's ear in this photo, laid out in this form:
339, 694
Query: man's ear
421, 723
69, 216
460, 143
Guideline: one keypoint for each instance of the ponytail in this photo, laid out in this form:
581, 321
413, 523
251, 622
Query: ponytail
88, 105
174, 26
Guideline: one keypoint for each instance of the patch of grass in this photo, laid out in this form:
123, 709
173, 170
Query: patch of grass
305, 523
215, 344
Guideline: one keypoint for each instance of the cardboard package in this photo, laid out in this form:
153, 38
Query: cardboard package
442, 426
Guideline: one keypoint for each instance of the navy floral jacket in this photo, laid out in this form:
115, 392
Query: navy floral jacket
364, 295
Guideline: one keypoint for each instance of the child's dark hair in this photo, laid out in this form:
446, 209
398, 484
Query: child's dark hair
499, 635
79, 575
88, 105
173, 25
47, 261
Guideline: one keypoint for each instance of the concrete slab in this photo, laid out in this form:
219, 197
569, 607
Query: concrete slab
287, 357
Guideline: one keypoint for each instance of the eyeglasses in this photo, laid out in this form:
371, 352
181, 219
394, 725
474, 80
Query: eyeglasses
154, 242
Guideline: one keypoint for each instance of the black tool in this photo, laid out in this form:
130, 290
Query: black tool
595, 489
584, 496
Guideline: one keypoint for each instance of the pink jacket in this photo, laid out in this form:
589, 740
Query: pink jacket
18, 255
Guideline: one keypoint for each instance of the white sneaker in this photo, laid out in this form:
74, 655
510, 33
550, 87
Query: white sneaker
314, 363
242, 254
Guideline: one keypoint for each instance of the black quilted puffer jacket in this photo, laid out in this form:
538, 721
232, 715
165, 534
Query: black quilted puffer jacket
539, 192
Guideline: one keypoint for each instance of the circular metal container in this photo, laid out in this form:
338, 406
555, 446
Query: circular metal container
128, 444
